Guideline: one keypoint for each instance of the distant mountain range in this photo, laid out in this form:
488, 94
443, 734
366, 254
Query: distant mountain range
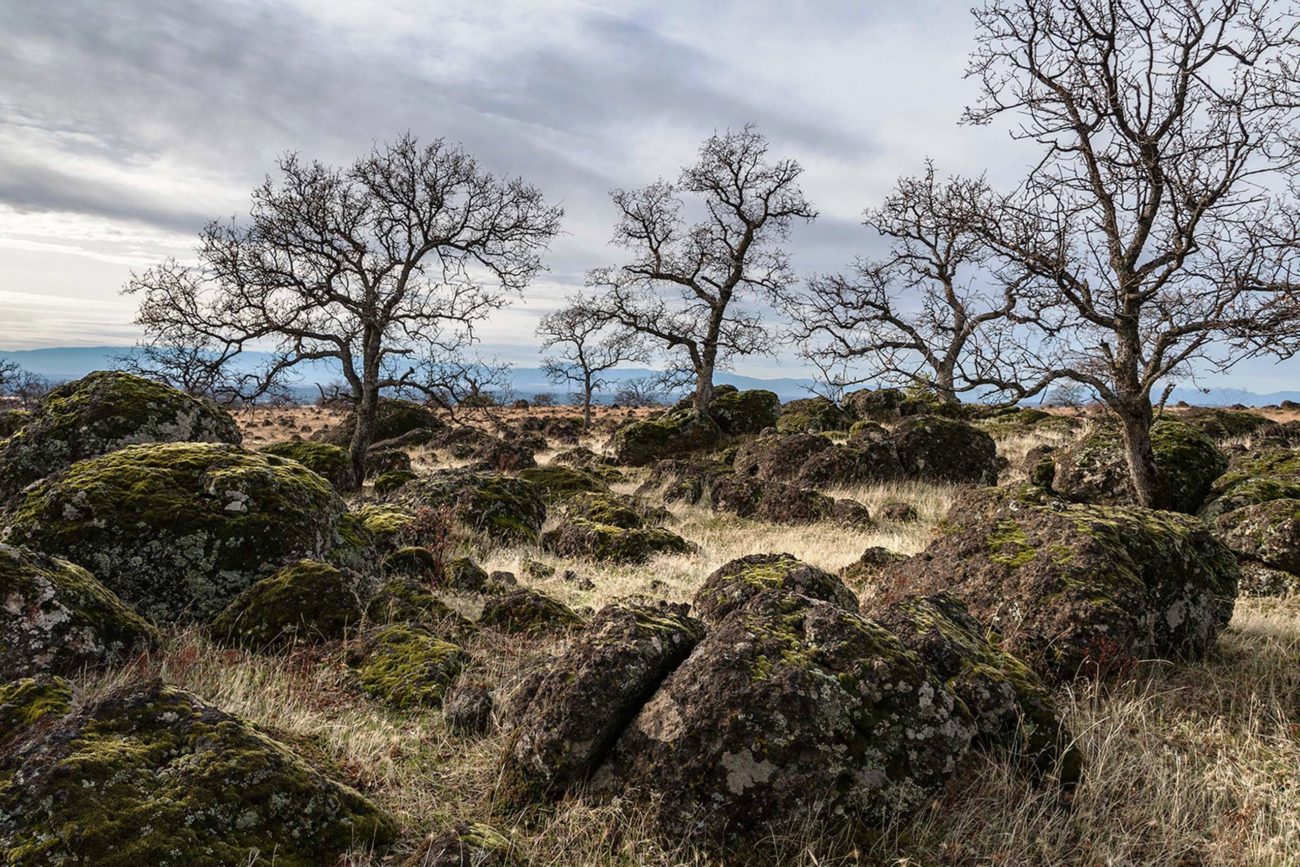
70, 362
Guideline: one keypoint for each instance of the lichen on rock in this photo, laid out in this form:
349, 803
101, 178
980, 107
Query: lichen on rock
304, 603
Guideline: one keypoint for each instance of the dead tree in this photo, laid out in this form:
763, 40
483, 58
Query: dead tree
586, 348
373, 268
1154, 232
691, 288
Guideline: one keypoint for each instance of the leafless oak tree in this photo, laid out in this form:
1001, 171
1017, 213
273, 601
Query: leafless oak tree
1155, 232
585, 349
374, 268
930, 312
690, 287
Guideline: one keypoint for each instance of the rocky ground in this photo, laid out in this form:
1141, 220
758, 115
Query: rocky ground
254, 664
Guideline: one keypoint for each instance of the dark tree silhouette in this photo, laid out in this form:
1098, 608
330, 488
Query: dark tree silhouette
585, 348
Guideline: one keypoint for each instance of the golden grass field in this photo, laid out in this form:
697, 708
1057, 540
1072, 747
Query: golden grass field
1186, 765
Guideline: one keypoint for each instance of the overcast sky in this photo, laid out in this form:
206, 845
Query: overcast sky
125, 126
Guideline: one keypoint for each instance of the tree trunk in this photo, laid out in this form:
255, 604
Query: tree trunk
586, 404
703, 397
945, 387
362, 434
1136, 422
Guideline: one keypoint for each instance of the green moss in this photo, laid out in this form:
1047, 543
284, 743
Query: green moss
100, 413
609, 543
382, 526
673, 434
1009, 545
305, 603
407, 667
12, 421
328, 461
403, 600
558, 483
746, 412
811, 415
180, 529
25, 702
151, 775
503, 509
528, 612
412, 560
387, 483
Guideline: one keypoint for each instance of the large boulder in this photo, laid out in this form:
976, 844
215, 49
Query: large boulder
589, 540
733, 584
1075, 588
504, 509
101, 413
684, 481
1256, 476
811, 415
396, 421
775, 502
861, 462
791, 710
558, 482
179, 528
324, 459
407, 666
55, 618
590, 693
304, 603
1095, 470
779, 457
1222, 423
681, 431
1011, 706
149, 774
1267, 533
746, 412
528, 612
940, 449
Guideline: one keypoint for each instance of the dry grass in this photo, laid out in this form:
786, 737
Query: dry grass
1186, 764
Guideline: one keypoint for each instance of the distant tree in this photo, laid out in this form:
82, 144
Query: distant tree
380, 269
196, 367
583, 348
929, 313
1158, 229
690, 288
22, 385
544, 399
640, 391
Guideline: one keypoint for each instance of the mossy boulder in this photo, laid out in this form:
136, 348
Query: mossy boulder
386, 460
381, 527
403, 600
407, 666
865, 571
775, 502
56, 618
386, 483
589, 695
556, 483
528, 612
746, 412
12, 421
416, 561
857, 463
683, 481
1267, 533
733, 584
811, 415
463, 575
504, 509
464, 844
583, 458
149, 774
1253, 477
401, 420
101, 413
938, 449
1221, 423
1095, 469
618, 510
26, 701
180, 529
641, 443
790, 712
1078, 589
778, 457
1012, 708
329, 461
307, 602
589, 540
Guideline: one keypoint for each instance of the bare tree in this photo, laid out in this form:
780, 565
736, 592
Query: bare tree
640, 391
929, 313
372, 268
21, 384
1155, 230
198, 369
587, 348
690, 288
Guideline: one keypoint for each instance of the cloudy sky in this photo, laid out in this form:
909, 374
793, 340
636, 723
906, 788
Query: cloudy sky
125, 126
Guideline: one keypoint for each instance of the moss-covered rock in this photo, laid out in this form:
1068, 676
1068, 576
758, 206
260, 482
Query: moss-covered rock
865, 571
790, 712
504, 509
811, 415
149, 774
180, 528
403, 600
733, 584
304, 603
1221, 423
589, 540
1253, 477
329, 461
583, 458
1267, 532
381, 527
464, 844
618, 510
1074, 588
1095, 469
387, 483
640, 443
56, 618
860, 462
683, 481
12, 421
462, 574
416, 561
380, 461
589, 693
402, 420
775, 502
1011, 706
406, 666
100, 413
940, 449
746, 412
27, 701
528, 612
556, 483
778, 457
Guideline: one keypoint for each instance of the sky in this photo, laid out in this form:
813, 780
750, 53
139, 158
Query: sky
126, 126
